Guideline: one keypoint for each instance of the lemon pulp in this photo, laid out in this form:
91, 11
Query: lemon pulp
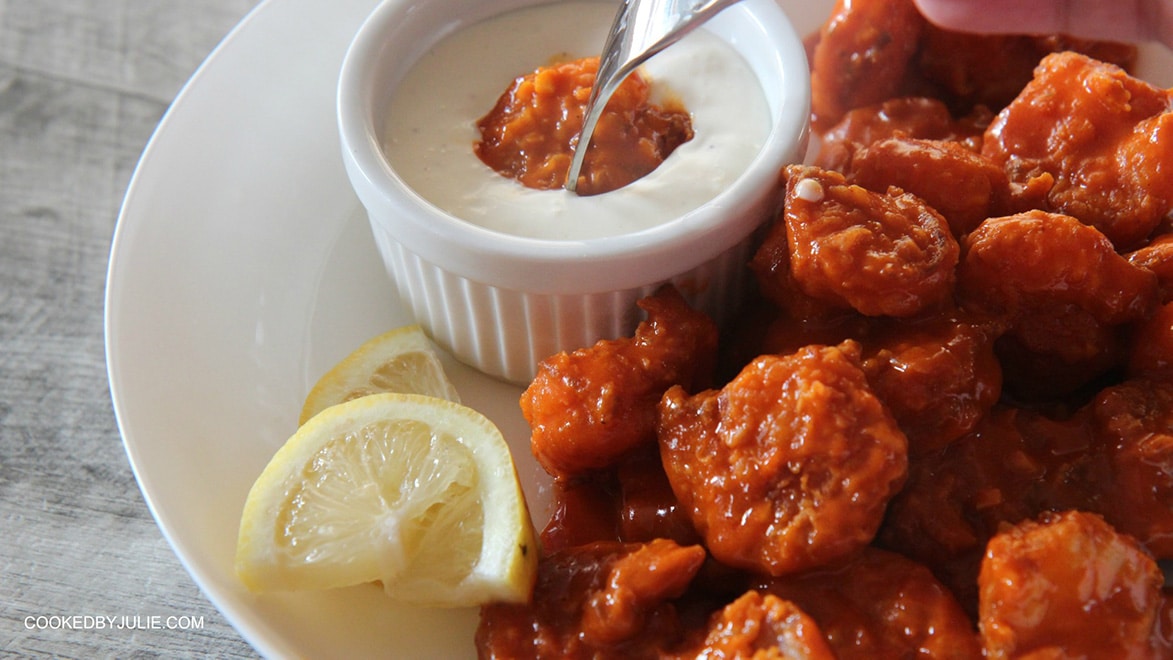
414, 491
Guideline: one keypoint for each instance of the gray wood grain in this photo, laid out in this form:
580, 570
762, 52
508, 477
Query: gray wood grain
82, 85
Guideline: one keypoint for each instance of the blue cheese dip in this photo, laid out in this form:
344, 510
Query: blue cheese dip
431, 125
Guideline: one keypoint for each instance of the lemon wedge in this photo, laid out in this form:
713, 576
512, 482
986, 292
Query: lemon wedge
417, 492
402, 360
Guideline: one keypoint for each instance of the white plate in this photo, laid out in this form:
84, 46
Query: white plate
241, 269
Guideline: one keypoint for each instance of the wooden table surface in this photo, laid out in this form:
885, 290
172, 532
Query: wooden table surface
83, 84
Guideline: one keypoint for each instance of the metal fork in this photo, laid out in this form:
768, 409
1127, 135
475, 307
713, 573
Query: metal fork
641, 29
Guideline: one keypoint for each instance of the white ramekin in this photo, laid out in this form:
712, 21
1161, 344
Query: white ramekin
502, 303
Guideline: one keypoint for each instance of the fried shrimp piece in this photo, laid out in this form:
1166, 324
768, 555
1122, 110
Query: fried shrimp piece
952, 179
770, 266
1133, 426
598, 600
908, 117
862, 56
1152, 346
530, 133
1014, 264
1061, 289
1094, 141
881, 254
588, 408
636, 583
760, 627
1157, 256
1069, 586
1056, 351
939, 377
878, 604
790, 465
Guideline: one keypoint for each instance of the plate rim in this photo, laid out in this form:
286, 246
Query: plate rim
252, 628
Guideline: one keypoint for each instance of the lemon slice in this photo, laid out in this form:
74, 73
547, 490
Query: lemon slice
413, 491
402, 360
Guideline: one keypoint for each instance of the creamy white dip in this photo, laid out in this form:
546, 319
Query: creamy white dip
431, 124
